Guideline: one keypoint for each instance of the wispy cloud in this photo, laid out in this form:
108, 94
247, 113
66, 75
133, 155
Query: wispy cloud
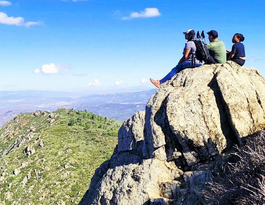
143, 81
7, 86
18, 21
94, 83
117, 14
118, 82
5, 3
79, 74
52, 69
147, 13
254, 59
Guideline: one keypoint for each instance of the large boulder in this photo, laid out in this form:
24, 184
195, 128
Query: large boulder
198, 114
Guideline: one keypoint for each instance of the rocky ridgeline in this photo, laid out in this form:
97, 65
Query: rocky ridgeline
25, 135
192, 119
49, 158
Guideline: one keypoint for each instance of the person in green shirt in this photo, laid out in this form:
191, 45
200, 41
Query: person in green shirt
216, 47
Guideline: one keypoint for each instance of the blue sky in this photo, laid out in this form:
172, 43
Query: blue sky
100, 46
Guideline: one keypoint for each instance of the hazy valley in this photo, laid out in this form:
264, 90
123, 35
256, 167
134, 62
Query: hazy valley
119, 106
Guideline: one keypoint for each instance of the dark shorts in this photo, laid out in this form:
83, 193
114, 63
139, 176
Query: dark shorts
210, 60
239, 61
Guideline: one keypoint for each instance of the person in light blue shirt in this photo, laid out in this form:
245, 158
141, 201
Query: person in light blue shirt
188, 59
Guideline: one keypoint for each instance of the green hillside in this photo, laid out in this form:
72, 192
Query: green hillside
49, 158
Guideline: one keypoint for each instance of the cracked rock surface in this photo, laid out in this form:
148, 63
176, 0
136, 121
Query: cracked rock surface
198, 114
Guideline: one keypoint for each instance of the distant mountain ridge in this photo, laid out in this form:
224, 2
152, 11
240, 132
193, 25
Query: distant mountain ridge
118, 106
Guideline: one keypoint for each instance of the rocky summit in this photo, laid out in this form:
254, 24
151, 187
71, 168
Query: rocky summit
190, 122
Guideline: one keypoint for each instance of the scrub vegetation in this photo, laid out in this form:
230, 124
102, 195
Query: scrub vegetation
242, 179
51, 157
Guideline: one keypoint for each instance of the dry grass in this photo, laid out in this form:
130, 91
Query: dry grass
242, 182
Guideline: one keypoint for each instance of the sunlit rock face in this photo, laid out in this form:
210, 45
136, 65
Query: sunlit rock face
197, 115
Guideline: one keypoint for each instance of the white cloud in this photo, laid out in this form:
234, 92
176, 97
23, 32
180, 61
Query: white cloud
143, 81
52, 69
147, 13
118, 82
37, 71
94, 83
47, 69
5, 3
18, 21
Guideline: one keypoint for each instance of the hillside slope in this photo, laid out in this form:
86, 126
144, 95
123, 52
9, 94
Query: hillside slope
51, 157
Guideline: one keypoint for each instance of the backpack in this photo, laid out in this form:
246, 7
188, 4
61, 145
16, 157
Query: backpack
202, 52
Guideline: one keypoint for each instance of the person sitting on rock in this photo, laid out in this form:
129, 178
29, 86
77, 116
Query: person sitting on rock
216, 47
238, 50
188, 59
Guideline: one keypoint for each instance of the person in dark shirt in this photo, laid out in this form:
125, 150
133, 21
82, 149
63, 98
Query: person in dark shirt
238, 50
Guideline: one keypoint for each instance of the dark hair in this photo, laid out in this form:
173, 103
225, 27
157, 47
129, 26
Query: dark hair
213, 33
191, 36
240, 37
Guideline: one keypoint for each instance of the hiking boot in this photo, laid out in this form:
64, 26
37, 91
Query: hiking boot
155, 82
